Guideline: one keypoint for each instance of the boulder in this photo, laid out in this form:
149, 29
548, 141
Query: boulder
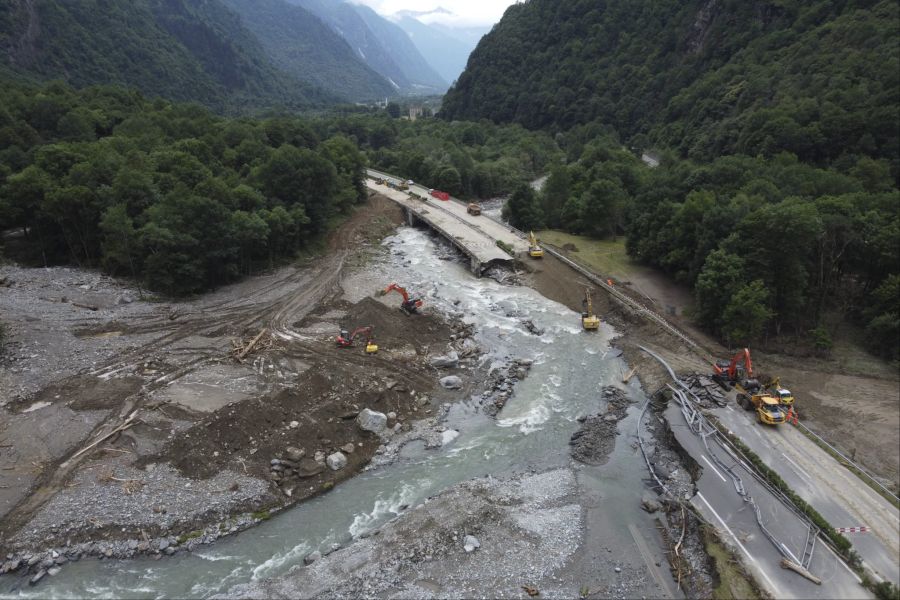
371, 420
37, 576
471, 543
448, 361
336, 461
294, 454
307, 467
650, 503
348, 448
312, 557
451, 382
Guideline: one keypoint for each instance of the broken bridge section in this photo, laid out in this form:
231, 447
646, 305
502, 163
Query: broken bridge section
475, 236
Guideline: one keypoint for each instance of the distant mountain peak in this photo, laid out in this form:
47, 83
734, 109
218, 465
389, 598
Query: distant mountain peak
440, 10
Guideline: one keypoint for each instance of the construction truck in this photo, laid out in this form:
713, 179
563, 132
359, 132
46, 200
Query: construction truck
534, 250
403, 186
769, 409
589, 320
345, 339
473, 209
784, 395
409, 305
739, 370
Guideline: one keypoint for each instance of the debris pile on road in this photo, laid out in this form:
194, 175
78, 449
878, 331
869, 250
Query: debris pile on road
596, 438
707, 390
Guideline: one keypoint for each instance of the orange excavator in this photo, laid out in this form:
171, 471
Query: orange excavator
409, 305
738, 371
345, 339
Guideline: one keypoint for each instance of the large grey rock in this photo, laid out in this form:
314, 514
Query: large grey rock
37, 576
451, 382
307, 467
294, 454
336, 461
449, 360
371, 420
312, 557
471, 543
650, 503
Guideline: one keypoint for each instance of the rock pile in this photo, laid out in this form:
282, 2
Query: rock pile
502, 381
596, 438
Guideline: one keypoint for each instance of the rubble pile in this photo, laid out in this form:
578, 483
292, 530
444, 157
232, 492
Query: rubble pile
704, 388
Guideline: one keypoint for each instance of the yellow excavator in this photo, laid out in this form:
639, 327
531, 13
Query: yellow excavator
589, 320
534, 250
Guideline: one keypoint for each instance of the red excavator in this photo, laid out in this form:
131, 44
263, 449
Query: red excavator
738, 371
409, 305
345, 339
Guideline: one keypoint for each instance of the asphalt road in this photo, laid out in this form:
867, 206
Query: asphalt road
457, 209
836, 493
718, 500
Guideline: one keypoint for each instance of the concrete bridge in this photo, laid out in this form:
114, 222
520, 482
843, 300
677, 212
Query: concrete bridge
475, 236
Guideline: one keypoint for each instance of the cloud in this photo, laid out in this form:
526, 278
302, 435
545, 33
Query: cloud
456, 13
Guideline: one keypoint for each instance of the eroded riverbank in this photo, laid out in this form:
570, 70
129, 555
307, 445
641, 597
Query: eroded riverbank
568, 371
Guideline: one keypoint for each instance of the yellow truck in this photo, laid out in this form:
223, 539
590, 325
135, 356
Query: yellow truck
769, 409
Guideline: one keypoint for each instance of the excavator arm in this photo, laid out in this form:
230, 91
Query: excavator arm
408, 305
396, 288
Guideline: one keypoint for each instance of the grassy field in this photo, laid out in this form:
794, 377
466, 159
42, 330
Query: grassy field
605, 256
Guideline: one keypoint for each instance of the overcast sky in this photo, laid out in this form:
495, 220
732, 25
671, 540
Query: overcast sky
468, 12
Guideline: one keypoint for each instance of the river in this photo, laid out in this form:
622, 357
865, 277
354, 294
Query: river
532, 431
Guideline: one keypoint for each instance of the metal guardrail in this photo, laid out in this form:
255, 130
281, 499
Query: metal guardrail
853, 464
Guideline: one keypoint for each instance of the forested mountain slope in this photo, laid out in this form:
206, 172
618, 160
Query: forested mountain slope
440, 46
776, 197
382, 45
177, 49
301, 44
706, 77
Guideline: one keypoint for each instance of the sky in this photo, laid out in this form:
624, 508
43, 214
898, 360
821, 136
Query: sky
465, 12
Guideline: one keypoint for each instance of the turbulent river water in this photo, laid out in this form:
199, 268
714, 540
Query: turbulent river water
532, 431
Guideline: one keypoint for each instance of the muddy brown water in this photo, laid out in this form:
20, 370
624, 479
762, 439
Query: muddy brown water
531, 433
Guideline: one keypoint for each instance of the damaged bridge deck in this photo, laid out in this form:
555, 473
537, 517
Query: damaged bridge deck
475, 236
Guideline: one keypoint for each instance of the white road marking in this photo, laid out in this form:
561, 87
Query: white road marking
800, 470
774, 588
714, 468
838, 559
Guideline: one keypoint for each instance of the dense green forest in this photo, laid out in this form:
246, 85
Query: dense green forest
175, 49
778, 123
184, 200
469, 160
167, 193
820, 79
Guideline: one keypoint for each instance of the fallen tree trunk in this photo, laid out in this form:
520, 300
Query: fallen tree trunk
789, 564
